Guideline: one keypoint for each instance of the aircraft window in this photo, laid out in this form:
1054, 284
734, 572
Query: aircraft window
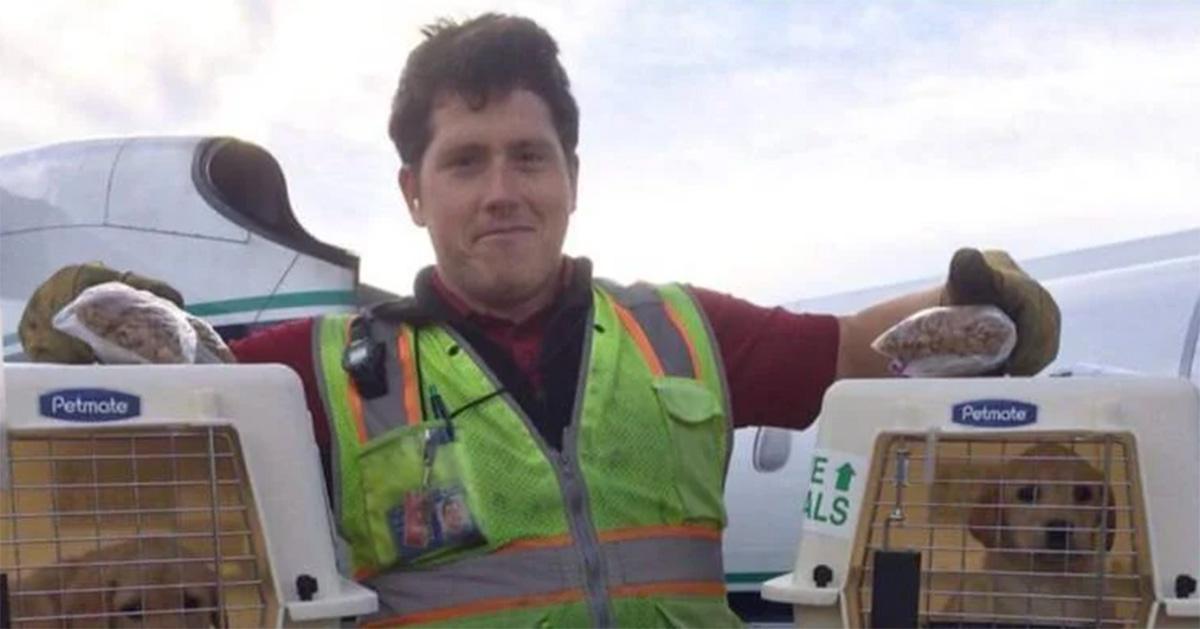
55, 186
152, 188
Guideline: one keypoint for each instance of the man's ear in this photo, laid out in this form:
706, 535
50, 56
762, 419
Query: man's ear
986, 520
410, 187
573, 173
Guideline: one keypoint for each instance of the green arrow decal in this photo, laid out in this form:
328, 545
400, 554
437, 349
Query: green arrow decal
845, 474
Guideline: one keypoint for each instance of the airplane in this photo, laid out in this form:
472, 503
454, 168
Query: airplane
220, 206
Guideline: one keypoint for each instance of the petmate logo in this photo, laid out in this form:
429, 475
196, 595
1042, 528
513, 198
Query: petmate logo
89, 405
994, 413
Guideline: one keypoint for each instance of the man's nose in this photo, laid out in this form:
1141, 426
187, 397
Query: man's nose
500, 194
1058, 534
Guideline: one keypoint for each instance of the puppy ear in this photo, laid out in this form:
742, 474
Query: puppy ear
987, 518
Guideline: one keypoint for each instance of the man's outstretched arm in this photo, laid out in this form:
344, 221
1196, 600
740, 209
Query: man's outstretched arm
855, 358
975, 277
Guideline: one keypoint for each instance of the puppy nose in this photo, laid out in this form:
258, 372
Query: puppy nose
1058, 534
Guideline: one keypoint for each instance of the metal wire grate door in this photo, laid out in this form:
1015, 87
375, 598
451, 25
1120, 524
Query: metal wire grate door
153, 527
1042, 530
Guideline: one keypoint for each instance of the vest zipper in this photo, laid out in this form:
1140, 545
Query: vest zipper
574, 493
583, 529
586, 540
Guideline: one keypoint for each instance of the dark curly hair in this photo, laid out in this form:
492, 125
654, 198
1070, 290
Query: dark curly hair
485, 57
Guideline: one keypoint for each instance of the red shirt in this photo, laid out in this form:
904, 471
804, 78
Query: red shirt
523, 340
778, 363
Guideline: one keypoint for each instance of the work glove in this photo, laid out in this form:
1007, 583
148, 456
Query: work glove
991, 277
42, 342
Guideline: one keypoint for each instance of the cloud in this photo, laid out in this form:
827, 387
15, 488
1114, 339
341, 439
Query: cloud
774, 150
1013, 129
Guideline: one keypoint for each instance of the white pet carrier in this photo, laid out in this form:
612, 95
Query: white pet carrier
165, 496
1002, 502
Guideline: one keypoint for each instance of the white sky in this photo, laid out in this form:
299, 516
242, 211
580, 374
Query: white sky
769, 149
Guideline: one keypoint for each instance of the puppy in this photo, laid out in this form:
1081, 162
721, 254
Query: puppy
1043, 529
122, 586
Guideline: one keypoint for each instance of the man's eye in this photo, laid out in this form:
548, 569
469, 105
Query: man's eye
531, 158
466, 161
1027, 494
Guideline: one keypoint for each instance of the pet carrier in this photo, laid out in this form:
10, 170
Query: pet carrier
1001, 502
165, 496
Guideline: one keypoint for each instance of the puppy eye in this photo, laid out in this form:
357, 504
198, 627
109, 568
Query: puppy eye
1027, 494
1083, 493
190, 602
132, 610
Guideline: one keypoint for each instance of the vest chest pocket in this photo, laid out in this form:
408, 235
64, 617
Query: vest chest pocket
415, 499
695, 422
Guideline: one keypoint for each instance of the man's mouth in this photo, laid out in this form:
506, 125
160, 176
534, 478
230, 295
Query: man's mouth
505, 231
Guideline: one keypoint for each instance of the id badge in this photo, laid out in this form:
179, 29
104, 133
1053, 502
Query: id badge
437, 516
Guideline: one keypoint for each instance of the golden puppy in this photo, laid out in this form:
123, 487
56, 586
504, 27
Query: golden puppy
154, 582
1044, 528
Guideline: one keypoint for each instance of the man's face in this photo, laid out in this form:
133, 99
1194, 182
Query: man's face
495, 190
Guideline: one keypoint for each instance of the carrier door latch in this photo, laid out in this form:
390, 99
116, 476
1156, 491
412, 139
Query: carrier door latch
5, 613
895, 588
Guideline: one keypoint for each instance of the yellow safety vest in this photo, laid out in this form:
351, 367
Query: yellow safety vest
622, 527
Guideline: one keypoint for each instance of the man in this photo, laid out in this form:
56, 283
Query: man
583, 427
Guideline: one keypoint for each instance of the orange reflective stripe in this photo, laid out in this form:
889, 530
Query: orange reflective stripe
356, 404
671, 560
490, 606
646, 532
687, 339
639, 338
619, 535
556, 541
362, 574
356, 407
670, 588
412, 396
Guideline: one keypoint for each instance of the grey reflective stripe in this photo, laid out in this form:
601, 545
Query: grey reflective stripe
648, 309
662, 560
542, 571
387, 412
489, 577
